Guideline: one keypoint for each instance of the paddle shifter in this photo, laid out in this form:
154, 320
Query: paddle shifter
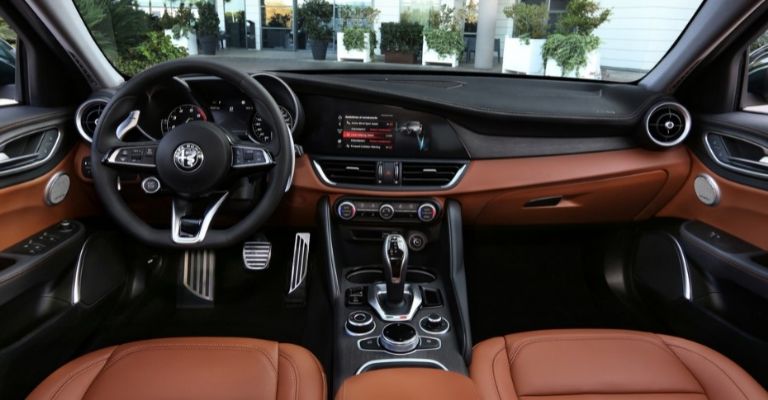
395, 267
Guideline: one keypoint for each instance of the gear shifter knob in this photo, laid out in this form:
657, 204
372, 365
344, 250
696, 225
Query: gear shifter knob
395, 267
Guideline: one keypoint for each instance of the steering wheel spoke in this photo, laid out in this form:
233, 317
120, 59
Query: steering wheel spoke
251, 157
136, 156
191, 219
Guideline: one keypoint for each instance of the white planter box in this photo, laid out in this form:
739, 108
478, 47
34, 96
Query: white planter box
345, 54
429, 56
523, 58
590, 71
188, 42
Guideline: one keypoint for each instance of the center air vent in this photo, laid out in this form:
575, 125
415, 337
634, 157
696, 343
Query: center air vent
87, 117
430, 174
348, 171
667, 124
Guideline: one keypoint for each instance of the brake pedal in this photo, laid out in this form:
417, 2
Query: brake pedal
256, 255
198, 273
299, 266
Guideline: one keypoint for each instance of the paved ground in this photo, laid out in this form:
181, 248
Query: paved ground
270, 59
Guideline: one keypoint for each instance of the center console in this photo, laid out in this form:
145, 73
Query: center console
395, 272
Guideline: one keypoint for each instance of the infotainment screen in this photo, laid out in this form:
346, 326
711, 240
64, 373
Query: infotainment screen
380, 133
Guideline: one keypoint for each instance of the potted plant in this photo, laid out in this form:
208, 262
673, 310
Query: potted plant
317, 16
182, 29
572, 50
443, 40
207, 28
357, 40
401, 41
470, 23
522, 51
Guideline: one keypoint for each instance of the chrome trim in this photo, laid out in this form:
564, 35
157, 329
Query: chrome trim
49, 187
686, 117
34, 164
380, 288
112, 159
383, 350
687, 287
130, 122
79, 116
400, 347
415, 361
399, 240
330, 264
290, 91
256, 255
434, 212
459, 174
725, 165
300, 261
199, 273
77, 281
381, 215
354, 210
147, 179
369, 321
442, 332
207, 218
708, 180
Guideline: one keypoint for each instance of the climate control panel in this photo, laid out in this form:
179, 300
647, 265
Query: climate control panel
388, 210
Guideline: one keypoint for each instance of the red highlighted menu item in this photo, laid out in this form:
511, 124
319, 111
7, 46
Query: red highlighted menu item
366, 132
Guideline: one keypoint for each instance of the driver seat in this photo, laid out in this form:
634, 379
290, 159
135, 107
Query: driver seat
190, 369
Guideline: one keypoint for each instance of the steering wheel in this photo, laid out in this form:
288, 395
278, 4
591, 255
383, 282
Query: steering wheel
196, 163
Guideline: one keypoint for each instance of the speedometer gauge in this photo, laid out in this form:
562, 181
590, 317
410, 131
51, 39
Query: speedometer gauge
261, 132
181, 115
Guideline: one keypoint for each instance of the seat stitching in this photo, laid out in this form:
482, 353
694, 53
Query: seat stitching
525, 342
75, 374
295, 374
493, 370
714, 364
139, 349
322, 375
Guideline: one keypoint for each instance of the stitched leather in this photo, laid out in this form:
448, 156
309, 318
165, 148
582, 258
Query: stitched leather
189, 368
603, 364
408, 384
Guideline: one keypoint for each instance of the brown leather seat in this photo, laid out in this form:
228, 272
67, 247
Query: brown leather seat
189, 368
408, 384
606, 364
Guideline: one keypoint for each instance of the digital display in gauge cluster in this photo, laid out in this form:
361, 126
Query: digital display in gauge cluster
382, 133
232, 114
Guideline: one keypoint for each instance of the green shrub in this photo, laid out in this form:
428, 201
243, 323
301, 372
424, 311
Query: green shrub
317, 15
278, 20
530, 21
402, 37
208, 19
444, 34
155, 49
569, 51
184, 22
582, 17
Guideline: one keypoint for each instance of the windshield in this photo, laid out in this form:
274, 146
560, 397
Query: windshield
614, 40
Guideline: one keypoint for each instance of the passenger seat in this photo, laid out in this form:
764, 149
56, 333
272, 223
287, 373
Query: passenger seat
606, 364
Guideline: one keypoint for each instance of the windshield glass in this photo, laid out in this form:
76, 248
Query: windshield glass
614, 40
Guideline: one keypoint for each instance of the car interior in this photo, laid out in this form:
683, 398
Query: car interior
205, 230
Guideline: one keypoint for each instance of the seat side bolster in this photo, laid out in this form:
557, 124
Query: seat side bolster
73, 379
300, 375
490, 370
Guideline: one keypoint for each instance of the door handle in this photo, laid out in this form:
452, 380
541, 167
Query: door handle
28, 150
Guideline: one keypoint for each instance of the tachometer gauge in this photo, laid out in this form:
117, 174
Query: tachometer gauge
260, 130
181, 115
287, 117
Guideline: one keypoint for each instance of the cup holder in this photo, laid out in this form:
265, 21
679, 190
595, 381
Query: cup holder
369, 275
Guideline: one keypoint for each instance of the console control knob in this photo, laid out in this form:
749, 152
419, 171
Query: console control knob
417, 241
434, 323
399, 338
346, 210
360, 323
426, 212
386, 211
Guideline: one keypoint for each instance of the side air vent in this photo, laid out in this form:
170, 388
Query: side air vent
87, 117
430, 174
667, 124
347, 171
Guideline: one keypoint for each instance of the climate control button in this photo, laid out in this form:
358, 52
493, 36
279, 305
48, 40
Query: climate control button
426, 212
346, 210
386, 211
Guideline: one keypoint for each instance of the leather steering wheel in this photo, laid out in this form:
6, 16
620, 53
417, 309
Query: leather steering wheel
196, 163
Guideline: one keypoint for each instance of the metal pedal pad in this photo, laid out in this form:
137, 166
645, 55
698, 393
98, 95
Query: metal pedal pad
299, 265
256, 255
198, 273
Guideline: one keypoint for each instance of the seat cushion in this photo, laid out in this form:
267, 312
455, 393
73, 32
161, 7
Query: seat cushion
408, 384
606, 364
189, 368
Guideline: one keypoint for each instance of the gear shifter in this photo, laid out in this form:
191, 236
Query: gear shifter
395, 267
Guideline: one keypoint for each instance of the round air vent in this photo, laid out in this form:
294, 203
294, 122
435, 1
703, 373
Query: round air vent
667, 124
87, 117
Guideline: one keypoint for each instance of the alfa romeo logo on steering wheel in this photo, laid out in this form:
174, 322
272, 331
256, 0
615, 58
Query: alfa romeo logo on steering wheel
188, 157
